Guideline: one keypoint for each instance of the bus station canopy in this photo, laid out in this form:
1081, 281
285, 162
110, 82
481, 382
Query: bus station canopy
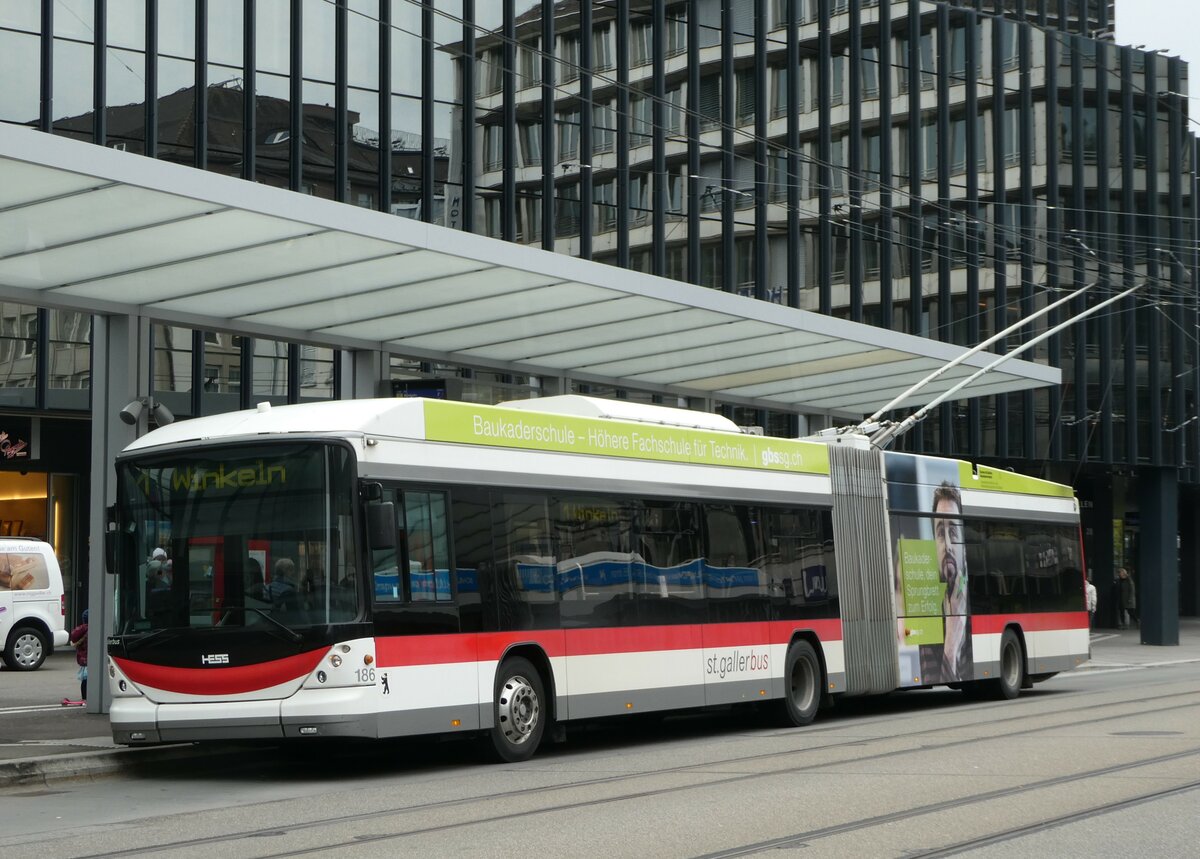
92, 229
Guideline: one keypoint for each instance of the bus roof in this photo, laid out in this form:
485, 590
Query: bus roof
386, 417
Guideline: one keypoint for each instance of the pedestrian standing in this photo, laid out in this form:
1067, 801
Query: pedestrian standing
1090, 594
1128, 596
78, 639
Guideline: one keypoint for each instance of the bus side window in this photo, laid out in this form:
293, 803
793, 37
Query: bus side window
428, 555
385, 568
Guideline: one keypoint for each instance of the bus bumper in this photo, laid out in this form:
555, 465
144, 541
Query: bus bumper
310, 713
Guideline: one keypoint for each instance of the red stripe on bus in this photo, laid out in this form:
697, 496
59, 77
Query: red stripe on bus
396, 651
220, 681
982, 624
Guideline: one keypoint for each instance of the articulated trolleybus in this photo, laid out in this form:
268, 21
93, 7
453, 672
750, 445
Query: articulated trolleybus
377, 568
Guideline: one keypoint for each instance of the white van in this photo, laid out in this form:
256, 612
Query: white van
33, 607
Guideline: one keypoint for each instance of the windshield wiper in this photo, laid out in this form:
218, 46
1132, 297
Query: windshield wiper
288, 633
131, 646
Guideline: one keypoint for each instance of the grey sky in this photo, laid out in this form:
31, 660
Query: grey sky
1172, 25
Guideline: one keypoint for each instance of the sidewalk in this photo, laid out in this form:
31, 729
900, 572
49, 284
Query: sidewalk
42, 741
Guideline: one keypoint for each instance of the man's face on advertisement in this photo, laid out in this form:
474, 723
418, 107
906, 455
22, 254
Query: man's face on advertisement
947, 531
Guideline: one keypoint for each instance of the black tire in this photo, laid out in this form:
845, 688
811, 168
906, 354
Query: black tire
519, 711
803, 684
26, 649
1011, 678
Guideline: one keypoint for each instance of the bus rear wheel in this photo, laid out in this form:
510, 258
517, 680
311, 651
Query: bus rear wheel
518, 711
1012, 667
802, 685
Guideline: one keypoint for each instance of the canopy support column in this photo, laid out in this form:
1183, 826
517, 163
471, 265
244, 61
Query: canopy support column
119, 376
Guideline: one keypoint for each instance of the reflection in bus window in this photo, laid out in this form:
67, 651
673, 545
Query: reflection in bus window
596, 568
801, 564
734, 574
428, 547
526, 564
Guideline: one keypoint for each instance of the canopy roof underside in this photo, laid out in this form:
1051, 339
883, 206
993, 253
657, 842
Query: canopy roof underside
87, 228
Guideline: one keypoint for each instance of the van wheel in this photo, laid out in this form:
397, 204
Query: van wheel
518, 711
802, 685
26, 650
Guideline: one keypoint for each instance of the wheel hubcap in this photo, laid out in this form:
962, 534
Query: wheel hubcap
518, 710
28, 650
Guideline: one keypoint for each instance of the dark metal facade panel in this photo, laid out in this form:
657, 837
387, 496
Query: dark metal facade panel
658, 158
341, 167
854, 179
728, 123
886, 171
100, 70
973, 61
1100, 204
586, 156
548, 123
428, 129
795, 273
762, 274
1025, 442
201, 110
249, 84
508, 194
693, 148
1128, 250
383, 190
46, 72
296, 98
824, 94
622, 133
1054, 235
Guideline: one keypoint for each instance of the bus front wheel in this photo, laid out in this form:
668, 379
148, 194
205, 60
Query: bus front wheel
802, 684
518, 711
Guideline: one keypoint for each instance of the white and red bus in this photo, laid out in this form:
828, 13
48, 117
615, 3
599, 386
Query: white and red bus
377, 568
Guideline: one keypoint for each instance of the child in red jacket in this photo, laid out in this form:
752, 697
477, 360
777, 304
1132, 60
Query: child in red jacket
78, 639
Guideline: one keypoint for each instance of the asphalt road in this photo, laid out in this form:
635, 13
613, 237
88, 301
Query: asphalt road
1098, 763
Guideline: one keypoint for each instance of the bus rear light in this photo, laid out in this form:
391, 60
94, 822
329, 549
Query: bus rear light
62, 604
345, 648
368, 659
122, 686
456, 722
335, 661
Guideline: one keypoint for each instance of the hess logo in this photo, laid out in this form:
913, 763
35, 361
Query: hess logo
214, 659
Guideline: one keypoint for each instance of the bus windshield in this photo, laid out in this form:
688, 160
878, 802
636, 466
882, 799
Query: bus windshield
253, 535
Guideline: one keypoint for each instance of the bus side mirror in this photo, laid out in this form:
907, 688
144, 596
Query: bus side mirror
381, 525
371, 492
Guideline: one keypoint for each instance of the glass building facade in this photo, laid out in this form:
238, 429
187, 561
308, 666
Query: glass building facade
939, 168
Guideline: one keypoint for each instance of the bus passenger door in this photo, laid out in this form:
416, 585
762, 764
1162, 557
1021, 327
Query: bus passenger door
416, 622
736, 647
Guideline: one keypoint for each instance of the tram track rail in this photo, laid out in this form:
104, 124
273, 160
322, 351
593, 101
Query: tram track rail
1098, 714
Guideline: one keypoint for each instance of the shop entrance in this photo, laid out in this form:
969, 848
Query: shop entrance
42, 505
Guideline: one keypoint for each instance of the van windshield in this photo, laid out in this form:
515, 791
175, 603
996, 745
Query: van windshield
255, 535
